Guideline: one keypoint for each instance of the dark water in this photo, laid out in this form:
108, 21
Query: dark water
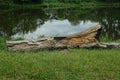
37, 23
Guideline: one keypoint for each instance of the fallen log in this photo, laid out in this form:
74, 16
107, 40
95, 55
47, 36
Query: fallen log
84, 39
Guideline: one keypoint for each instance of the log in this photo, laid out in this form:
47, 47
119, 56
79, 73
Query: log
84, 39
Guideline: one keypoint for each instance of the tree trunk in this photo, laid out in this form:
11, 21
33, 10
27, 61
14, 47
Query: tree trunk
84, 39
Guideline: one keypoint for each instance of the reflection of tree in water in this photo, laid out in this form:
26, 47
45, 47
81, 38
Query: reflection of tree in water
21, 21
109, 18
111, 23
24, 21
72, 17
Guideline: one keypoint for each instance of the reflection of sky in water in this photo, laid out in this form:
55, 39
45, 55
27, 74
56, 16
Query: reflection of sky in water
57, 28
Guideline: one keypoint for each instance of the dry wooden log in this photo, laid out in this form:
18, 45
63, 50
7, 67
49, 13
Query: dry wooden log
84, 39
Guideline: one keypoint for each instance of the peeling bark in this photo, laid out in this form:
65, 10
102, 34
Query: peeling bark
84, 39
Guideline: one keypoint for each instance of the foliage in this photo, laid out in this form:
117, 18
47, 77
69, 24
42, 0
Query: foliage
53, 1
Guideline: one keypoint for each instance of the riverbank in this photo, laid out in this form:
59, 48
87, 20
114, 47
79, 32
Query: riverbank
70, 64
82, 5
60, 5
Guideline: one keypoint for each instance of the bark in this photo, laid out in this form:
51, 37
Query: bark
84, 39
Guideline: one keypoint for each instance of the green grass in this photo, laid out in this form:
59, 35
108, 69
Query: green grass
2, 44
106, 39
80, 5
70, 64
17, 39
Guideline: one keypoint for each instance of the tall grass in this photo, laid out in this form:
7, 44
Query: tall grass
106, 39
71, 64
2, 44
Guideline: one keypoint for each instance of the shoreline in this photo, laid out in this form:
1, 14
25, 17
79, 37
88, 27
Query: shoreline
60, 5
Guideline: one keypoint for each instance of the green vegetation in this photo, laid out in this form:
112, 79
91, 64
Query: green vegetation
69, 64
57, 3
80, 5
2, 44
17, 38
73, 64
108, 39
53, 1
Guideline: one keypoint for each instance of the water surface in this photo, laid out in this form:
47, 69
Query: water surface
37, 23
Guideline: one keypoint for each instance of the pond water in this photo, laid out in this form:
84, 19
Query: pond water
36, 23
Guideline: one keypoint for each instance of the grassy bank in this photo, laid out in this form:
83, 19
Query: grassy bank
82, 5
73, 64
2, 44
61, 5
